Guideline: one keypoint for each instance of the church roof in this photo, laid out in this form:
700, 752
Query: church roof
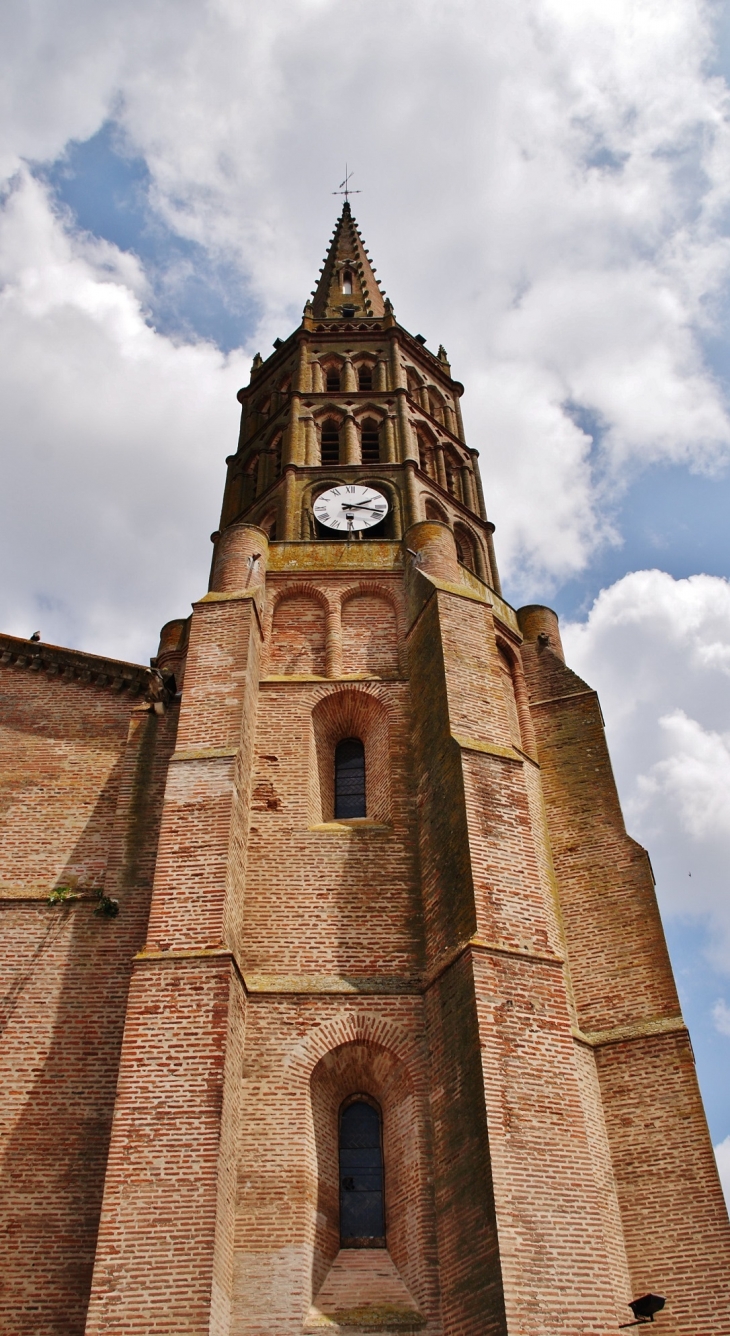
347, 256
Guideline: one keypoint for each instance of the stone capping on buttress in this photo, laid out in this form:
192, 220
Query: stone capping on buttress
240, 557
541, 624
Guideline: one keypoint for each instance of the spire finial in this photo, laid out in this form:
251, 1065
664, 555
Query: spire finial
347, 189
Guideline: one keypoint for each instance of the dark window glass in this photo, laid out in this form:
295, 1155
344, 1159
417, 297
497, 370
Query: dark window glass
330, 443
365, 377
333, 380
370, 442
349, 778
361, 1177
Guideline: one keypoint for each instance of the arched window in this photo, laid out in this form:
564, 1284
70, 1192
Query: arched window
370, 441
434, 512
347, 283
365, 376
435, 405
333, 380
362, 1220
425, 454
330, 442
349, 779
465, 547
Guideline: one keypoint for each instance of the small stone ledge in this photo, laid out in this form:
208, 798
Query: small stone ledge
205, 754
331, 984
489, 748
481, 945
658, 1025
359, 824
70, 665
364, 1321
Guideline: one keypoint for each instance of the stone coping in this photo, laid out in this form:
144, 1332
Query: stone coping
73, 665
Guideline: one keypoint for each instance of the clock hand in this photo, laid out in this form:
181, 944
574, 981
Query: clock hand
356, 505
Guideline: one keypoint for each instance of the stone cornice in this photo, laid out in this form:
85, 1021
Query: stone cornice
73, 665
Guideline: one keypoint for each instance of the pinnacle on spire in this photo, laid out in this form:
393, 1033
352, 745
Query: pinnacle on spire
347, 278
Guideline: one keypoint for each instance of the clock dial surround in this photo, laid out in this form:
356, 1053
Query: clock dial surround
350, 508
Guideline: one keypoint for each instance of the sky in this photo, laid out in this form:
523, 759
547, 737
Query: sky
544, 189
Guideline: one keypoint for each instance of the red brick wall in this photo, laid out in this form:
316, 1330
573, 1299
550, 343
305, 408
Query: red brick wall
298, 636
341, 901
369, 636
672, 1205
675, 1229
305, 1053
165, 1250
82, 795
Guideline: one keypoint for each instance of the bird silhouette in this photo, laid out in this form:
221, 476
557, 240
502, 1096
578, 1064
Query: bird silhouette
36, 635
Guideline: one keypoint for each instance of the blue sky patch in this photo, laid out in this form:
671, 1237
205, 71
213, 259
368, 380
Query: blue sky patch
106, 188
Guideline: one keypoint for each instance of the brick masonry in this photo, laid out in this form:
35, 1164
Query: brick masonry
481, 954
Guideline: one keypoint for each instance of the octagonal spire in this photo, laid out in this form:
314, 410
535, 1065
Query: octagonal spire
347, 285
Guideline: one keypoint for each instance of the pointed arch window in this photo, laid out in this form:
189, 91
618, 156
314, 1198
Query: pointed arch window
330, 452
370, 441
349, 779
347, 283
365, 376
362, 1218
333, 380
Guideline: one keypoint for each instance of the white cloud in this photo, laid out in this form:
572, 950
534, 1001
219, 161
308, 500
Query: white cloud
658, 652
544, 187
721, 1017
114, 478
722, 1155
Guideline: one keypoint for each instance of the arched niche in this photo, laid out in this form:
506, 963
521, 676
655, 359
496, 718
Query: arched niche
369, 633
350, 713
369, 1072
298, 634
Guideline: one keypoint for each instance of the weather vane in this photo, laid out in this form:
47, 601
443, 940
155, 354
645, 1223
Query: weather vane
347, 189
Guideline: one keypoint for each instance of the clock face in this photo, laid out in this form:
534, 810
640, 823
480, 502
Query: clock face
350, 507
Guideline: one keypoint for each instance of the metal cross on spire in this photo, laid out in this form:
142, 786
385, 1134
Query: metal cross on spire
347, 188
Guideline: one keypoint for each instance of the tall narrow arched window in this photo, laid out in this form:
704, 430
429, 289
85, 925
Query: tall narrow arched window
365, 376
333, 380
349, 779
362, 1220
347, 283
370, 441
330, 452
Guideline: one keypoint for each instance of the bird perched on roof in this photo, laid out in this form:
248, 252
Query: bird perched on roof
36, 635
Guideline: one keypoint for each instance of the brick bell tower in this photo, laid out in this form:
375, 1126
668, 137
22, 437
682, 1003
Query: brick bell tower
403, 1051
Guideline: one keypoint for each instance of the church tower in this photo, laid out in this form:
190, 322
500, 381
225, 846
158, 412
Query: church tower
402, 1049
